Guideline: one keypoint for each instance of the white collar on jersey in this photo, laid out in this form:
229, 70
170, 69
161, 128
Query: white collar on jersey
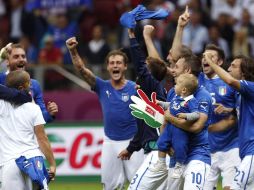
188, 98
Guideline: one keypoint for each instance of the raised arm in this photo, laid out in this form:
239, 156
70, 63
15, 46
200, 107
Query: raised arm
177, 42
79, 65
224, 75
137, 55
147, 34
45, 148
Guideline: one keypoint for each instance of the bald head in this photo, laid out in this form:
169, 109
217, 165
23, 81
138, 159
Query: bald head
18, 79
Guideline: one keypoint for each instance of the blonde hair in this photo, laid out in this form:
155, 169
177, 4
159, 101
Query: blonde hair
189, 81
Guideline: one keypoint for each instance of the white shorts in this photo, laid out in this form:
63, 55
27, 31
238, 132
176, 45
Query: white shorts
224, 163
12, 178
194, 176
144, 179
244, 176
114, 171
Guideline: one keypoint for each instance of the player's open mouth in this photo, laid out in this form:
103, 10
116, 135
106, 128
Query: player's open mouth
21, 66
205, 65
116, 72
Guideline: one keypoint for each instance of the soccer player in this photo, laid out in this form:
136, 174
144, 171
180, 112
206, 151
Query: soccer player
119, 125
184, 105
22, 136
224, 144
241, 78
198, 160
150, 72
16, 60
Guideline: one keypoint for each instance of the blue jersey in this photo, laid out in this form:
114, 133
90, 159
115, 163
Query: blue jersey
183, 105
37, 96
119, 124
14, 96
178, 105
198, 143
225, 95
246, 119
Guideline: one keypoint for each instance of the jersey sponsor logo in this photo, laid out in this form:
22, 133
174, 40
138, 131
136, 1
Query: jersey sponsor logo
108, 93
150, 111
125, 97
203, 106
222, 90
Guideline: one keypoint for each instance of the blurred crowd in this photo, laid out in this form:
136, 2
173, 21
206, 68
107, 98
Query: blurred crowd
42, 27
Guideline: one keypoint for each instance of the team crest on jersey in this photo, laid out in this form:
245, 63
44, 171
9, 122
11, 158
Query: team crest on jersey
183, 103
222, 90
39, 165
125, 97
176, 106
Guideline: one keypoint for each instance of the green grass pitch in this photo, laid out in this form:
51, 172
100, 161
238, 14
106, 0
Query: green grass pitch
80, 186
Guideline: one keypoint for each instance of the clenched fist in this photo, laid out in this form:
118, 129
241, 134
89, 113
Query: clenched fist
71, 43
148, 30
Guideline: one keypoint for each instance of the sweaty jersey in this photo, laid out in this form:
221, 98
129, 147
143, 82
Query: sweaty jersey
36, 94
198, 143
119, 124
246, 118
223, 94
17, 136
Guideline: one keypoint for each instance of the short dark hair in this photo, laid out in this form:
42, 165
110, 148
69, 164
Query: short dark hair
157, 67
194, 63
182, 52
185, 50
219, 51
247, 67
17, 78
117, 52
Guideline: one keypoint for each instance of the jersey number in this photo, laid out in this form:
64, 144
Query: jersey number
134, 179
239, 176
196, 178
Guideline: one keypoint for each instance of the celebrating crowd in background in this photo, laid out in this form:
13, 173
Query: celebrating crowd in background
43, 26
